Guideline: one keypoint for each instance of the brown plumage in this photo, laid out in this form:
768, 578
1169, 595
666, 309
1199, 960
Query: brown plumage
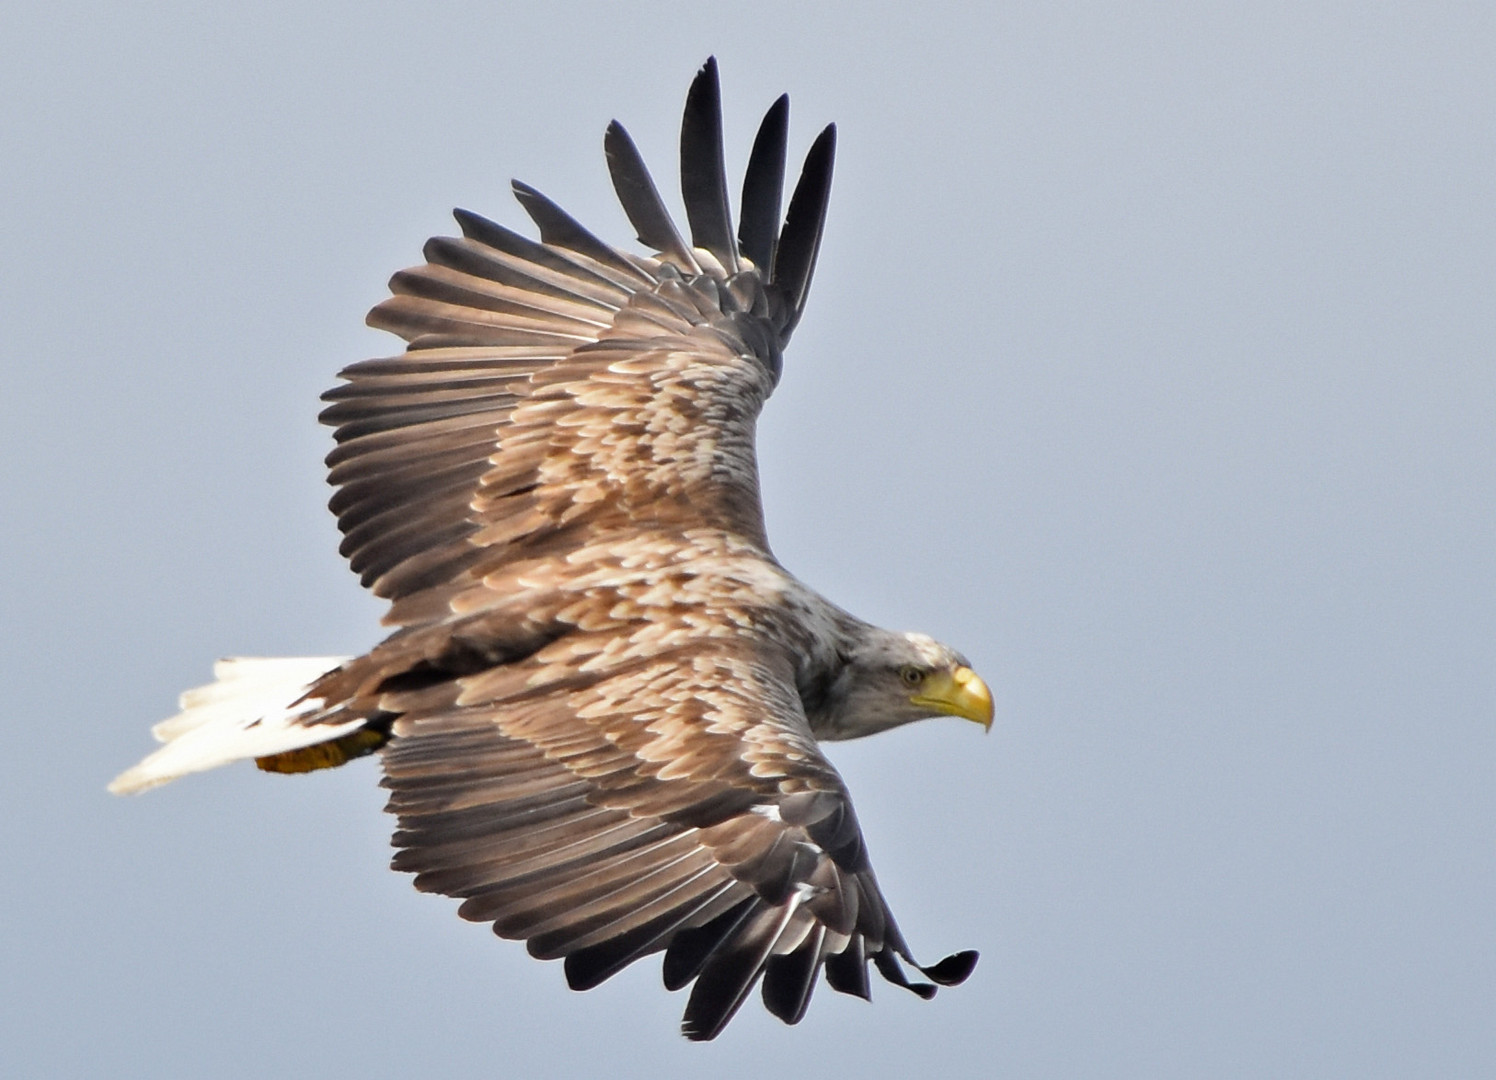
599, 711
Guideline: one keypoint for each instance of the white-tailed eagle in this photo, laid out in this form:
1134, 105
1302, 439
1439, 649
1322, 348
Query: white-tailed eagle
599, 710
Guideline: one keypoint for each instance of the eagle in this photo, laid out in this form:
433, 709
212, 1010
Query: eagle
599, 707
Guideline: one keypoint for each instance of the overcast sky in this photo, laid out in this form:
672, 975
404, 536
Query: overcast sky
1151, 361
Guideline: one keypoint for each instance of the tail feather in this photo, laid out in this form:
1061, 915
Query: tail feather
248, 712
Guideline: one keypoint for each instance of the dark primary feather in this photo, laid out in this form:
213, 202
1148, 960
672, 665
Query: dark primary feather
731, 972
789, 979
591, 965
615, 281
953, 970
703, 173
846, 971
641, 199
561, 229
690, 949
800, 242
763, 187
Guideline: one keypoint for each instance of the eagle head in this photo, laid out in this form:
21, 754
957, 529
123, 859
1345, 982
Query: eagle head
884, 679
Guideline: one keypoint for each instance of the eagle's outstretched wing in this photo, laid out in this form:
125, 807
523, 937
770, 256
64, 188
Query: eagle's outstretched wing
673, 801
560, 388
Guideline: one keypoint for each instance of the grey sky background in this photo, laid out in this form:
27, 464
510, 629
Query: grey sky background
1149, 361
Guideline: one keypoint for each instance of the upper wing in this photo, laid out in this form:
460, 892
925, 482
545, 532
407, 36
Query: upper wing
559, 387
668, 798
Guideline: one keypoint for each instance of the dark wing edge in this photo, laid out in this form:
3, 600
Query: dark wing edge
703, 171
641, 200
605, 823
763, 186
804, 225
784, 254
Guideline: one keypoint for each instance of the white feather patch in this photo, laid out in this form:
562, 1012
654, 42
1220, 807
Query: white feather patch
246, 713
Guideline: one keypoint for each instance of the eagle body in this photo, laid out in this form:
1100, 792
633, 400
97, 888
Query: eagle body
599, 707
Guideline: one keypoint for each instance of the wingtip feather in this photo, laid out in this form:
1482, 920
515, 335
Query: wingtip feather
763, 186
703, 172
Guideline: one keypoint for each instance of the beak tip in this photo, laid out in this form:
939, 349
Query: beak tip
965, 695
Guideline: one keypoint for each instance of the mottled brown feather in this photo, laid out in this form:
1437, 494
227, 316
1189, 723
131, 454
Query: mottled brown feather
559, 812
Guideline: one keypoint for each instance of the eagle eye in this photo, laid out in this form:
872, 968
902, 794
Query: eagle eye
911, 675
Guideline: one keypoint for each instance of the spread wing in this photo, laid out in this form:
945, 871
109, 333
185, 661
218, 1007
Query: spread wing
555, 389
671, 799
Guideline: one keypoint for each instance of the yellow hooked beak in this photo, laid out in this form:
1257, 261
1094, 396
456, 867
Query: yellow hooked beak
956, 693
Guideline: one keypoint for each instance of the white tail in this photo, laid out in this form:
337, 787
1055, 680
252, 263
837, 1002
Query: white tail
246, 713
